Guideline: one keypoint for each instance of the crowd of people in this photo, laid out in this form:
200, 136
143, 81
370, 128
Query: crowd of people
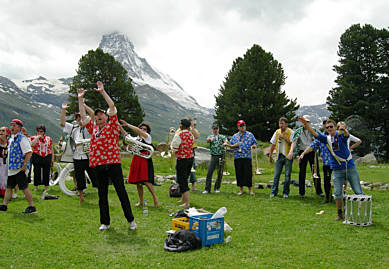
102, 160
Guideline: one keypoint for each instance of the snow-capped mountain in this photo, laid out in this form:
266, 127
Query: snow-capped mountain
142, 73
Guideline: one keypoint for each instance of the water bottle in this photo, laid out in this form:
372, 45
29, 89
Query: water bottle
219, 213
228, 239
145, 209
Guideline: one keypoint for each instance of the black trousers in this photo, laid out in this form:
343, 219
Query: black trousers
215, 163
183, 167
303, 170
80, 166
243, 172
327, 171
114, 173
41, 169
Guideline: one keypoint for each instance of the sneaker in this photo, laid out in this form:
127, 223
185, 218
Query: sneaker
272, 195
217, 191
338, 217
285, 195
14, 195
30, 210
321, 194
103, 227
3, 208
205, 192
133, 225
302, 196
325, 201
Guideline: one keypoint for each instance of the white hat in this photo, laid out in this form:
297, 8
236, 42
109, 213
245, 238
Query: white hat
307, 118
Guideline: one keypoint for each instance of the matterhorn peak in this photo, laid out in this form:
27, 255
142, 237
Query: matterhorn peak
141, 72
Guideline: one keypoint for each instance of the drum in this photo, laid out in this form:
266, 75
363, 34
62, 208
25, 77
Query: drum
358, 210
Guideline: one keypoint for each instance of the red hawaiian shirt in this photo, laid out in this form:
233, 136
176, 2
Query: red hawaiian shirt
185, 149
43, 146
104, 145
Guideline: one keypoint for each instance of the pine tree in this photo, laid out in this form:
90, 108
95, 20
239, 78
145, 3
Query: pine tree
99, 66
363, 84
252, 92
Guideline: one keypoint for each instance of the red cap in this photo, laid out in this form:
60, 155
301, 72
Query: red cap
77, 115
240, 122
16, 121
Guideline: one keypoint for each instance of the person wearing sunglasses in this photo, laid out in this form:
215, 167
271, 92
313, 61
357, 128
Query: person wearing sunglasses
243, 142
341, 163
3, 160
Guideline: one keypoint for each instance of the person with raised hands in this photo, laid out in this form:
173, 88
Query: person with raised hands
104, 156
341, 163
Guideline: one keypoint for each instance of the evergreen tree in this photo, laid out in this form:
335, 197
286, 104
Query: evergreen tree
252, 92
363, 84
99, 66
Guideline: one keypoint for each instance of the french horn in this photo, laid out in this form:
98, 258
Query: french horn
138, 148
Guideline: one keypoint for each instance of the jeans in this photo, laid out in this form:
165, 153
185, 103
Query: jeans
350, 174
280, 162
113, 172
215, 162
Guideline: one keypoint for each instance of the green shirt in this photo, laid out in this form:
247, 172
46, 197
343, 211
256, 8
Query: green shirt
216, 147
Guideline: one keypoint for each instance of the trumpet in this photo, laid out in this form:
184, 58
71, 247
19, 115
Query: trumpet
83, 146
137, 148
166, 153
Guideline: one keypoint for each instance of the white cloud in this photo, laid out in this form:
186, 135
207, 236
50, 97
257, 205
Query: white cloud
195, 42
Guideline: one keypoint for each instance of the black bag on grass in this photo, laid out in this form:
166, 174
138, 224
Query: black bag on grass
174, 190
182, 240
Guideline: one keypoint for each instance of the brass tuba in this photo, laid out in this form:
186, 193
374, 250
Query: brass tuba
137, 148
171, 133
83, 146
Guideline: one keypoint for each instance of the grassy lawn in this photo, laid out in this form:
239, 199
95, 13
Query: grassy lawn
277, 233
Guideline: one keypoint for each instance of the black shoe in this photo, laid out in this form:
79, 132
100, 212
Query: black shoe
325, 201
3, 208
156, 184
30, 210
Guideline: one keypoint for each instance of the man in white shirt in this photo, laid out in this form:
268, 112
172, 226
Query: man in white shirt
20, 152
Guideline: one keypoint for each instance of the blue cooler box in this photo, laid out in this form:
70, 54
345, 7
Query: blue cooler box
210, 231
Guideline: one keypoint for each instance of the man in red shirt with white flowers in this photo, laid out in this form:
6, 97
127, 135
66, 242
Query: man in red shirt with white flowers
104, 156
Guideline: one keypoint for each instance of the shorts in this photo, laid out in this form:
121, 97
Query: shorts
19, 179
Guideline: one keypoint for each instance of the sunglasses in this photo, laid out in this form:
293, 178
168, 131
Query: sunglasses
241, 125
2, 130
330, 126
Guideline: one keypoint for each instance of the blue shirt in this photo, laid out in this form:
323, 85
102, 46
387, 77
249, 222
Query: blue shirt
246, 141
340, 148
325, 153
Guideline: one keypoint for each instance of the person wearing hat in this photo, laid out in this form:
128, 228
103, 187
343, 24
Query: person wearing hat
242, 142
19, 154
104, 156
216, 142
304, 141
42, 157
182, 145
78, 133
281, 142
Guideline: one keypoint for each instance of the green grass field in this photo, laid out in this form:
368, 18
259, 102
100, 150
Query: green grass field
277, 233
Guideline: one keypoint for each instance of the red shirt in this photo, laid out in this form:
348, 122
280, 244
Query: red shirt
104, 145
185, 149
43, 146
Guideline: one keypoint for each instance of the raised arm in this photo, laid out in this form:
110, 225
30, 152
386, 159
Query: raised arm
307, 126
63, 114
137, 130
90, 112
81, 107
100, 89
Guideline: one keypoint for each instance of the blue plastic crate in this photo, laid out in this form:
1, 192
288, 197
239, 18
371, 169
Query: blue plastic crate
210, 231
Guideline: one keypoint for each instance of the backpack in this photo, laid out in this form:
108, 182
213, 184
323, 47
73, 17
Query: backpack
174, 190
182, 240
